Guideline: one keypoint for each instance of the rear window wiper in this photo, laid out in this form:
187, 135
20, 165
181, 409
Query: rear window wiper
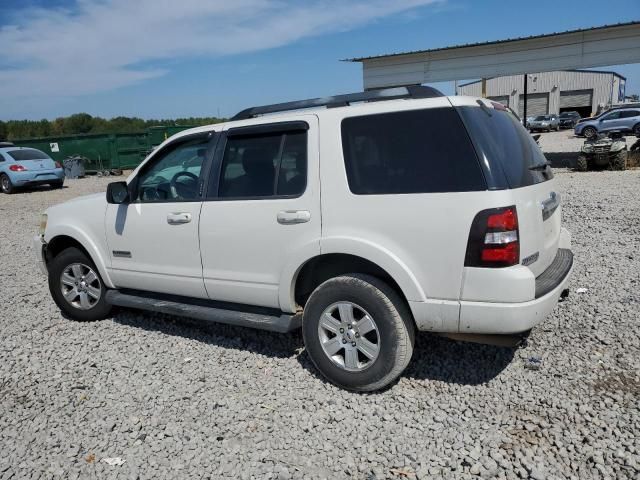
540, 166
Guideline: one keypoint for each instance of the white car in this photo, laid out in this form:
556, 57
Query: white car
360, 218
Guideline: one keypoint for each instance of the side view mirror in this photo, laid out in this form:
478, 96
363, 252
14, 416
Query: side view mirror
118, 192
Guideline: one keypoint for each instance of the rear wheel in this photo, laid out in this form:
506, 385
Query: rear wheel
589, 132
582, 164
76, 286
5, 184
358, 332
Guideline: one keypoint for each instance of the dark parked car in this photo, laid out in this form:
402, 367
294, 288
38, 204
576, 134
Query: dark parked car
569, 119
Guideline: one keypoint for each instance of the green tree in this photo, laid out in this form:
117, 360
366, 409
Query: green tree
78, 123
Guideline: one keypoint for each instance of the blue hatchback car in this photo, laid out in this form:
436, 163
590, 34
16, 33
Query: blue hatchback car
25, 167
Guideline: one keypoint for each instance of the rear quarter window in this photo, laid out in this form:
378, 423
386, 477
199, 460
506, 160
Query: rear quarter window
505, 147
417, 151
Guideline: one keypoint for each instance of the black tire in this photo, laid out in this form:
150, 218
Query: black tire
5, 184
582, 164
589, 132
57, 184
557, 128
395, 331
619, 162
99, 310
636, 129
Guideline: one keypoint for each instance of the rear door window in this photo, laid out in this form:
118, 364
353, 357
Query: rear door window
264, 165
504, 145
418, 151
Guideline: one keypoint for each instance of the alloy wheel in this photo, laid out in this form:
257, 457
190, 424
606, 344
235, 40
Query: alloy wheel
80, 286
349, 336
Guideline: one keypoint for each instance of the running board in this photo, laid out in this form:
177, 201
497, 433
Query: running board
202, 310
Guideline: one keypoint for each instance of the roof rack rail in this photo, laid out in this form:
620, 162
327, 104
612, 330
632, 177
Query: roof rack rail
624, 105
411, 91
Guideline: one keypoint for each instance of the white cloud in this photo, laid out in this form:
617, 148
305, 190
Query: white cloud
104, 44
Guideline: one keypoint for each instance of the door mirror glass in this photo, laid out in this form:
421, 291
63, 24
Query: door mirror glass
118, 192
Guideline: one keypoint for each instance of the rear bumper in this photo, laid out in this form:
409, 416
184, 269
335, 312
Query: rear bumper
507, 318
36, 177
39, 245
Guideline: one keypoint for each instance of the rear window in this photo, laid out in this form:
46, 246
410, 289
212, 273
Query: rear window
419, 151
506, 145
27, 154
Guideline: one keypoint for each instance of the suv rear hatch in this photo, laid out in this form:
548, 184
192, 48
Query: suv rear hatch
512, 160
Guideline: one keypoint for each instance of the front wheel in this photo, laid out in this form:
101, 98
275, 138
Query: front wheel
619, 162
76, 286
57, 184
582, 164
5, 184
358, 332
589, 132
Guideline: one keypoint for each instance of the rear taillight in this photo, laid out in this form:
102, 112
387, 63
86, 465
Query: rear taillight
494, 239
17, 168
58, 165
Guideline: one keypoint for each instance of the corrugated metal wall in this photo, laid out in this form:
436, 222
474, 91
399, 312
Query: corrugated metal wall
606, 87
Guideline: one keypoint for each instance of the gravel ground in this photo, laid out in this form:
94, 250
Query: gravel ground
160, 397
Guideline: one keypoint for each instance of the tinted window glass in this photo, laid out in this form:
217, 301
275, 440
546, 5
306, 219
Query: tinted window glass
174, 173
417, 151
629, 113
264, 165
611, 116
506, 146
28, 154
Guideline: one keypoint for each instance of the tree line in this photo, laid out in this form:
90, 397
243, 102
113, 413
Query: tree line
85, 123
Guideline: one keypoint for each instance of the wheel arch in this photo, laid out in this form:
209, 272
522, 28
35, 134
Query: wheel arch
63, 240
309, 273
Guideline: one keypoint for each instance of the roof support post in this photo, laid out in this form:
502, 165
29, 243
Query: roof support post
484, 88
524, 102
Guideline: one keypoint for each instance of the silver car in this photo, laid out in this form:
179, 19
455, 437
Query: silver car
544, 122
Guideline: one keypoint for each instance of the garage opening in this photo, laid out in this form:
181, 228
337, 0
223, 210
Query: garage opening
577, 101
537, 104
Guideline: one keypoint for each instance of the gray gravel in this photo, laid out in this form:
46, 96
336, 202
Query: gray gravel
160, 397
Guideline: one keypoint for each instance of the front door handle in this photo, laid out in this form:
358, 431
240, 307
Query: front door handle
178, 218
290, 217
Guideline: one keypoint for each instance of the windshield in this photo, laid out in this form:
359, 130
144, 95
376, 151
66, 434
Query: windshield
28, 154
505, 146
568, 114
542, 117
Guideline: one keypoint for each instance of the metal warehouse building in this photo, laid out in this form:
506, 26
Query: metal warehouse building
584, 91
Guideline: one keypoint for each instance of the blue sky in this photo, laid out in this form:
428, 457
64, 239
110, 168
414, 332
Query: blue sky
162, 58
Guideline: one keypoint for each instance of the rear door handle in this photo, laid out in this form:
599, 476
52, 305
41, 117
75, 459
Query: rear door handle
290, 217
178, 218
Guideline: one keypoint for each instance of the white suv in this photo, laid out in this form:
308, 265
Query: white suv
359, 217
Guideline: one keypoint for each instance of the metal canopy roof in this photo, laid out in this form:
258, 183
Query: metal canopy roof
584, 48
